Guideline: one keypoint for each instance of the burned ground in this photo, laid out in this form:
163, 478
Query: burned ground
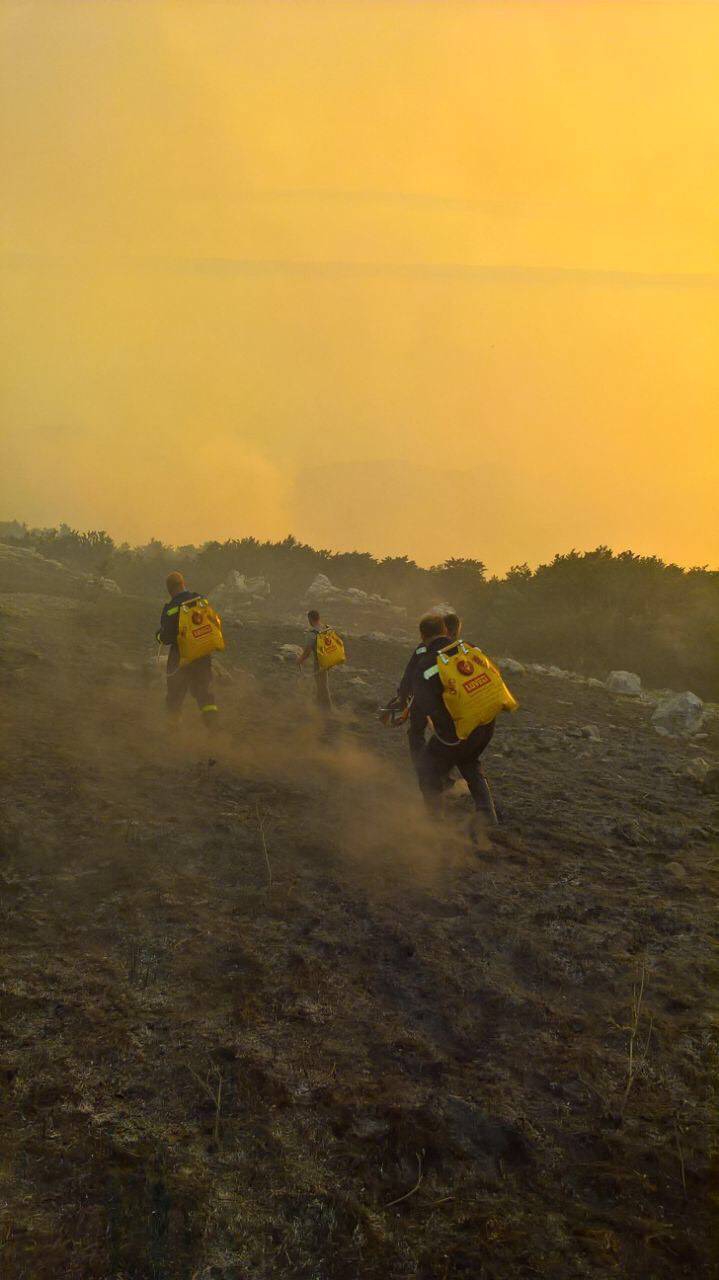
262, 1019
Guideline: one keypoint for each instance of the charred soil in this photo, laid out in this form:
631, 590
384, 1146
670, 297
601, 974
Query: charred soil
261, 1018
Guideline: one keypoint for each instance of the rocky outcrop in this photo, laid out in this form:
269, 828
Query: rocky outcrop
679, 716
355, 610
627, 682
237, 592
25, 570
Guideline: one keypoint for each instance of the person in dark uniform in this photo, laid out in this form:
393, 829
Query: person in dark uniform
322, 683
195, 677
417, 718
444, 749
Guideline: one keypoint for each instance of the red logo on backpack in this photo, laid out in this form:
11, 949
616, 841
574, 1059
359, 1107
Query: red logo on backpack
479, 681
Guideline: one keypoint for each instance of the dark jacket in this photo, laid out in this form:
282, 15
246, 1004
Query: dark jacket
427, 693
167, 633
404, 692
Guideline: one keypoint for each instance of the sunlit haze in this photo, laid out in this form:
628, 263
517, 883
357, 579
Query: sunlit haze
429, 278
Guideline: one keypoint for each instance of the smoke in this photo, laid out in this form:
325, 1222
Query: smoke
359, 808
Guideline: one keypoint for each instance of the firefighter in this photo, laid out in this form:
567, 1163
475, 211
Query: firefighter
404, 699
195, 677
445, 749
322, 684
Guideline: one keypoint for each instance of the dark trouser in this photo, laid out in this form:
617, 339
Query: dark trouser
437, 760
322, 690
195, 678
416, 738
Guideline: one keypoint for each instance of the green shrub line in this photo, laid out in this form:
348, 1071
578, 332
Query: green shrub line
587, 611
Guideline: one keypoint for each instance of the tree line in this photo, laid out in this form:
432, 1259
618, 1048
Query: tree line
588, 611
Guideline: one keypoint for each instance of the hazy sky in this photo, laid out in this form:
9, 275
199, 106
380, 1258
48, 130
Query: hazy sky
429, 277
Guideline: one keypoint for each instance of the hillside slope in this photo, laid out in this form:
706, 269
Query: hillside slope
261, 1018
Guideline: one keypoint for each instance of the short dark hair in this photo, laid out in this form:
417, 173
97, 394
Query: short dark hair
313, 616
431, 625
453, 623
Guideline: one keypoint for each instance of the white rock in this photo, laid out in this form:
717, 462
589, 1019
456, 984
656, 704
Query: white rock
511, 666
624, 682
237, 590
594, 683
286, 651
321, 588
359, 681
680, 715
109, 584
377, 635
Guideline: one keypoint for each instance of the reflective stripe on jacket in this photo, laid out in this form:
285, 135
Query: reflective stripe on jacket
167, 633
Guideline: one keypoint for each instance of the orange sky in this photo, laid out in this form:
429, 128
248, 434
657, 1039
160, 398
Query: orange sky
427, 277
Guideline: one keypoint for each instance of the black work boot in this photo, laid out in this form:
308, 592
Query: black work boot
483, 801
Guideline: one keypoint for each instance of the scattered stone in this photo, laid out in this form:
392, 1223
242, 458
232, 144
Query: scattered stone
368, 1125
673, 835
357, 680
511, 667
680, 715
594, 683
629, 830
109, 584
624, 682
711, 782
591, 731
378, 635
677, 870
288, 651
696, 769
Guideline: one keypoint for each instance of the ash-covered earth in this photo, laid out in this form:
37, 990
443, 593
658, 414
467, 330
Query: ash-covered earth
263, 1018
